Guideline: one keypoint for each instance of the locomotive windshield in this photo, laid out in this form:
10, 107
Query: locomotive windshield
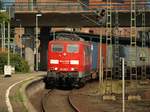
72, 48
57, 48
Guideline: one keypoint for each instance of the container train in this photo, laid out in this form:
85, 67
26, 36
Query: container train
72, 61
69, 61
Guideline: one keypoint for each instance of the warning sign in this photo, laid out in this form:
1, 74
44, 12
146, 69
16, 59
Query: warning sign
7, 70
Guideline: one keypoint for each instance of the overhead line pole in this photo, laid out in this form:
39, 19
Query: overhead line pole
101, 57
133, 47
4, 35
8, 62
143, 52
101, 66
2, 45
36, 47
20, 39
123, 86
116, 51
108, 67
36, 41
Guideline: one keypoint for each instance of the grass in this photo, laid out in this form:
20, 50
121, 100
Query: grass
3, 110
18, 99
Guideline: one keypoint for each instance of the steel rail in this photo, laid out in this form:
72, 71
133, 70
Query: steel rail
44, 99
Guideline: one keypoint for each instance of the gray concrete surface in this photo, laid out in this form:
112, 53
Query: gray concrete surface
6, 82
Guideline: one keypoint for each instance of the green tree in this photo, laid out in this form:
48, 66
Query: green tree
4, 17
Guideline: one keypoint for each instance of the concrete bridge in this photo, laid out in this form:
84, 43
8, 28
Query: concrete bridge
75, 19
75, 14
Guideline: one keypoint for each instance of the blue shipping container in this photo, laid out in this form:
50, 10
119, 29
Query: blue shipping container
95, 53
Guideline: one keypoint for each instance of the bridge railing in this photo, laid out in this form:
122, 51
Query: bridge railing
70, 6
46, 6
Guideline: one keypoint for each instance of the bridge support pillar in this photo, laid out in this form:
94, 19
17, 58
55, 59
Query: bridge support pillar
29, 47
44, 39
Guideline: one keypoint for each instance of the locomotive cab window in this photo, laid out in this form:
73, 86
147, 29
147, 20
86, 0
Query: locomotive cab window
72, 48
57, 47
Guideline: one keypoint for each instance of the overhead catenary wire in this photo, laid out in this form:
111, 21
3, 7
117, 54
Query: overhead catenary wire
86, 6
96, 12
101, 58
93, 21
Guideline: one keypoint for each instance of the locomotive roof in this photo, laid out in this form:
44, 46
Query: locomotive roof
70, 41
68, 36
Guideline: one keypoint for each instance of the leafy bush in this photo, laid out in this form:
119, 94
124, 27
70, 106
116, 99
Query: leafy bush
15, 60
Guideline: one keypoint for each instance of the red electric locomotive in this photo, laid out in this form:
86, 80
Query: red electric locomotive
69, 62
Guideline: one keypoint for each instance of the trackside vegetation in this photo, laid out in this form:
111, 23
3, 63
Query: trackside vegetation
15, 60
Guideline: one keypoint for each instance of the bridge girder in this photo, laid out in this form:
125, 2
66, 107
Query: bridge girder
75, 19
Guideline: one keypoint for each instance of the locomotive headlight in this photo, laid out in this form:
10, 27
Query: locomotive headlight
74, 62
54, 61
72, 69
56, 68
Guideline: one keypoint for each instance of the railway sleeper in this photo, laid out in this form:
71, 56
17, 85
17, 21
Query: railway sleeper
134, 98
144, 82
109, 97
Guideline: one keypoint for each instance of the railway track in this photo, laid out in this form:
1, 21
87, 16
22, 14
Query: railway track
44, 100
56, 100
86, 99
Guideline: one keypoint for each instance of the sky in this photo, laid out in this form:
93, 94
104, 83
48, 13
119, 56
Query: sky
8, 2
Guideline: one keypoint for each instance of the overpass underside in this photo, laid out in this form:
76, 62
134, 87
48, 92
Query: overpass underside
77, 14
75, 19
